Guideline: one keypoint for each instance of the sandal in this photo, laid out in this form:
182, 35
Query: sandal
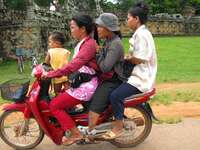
110, 135
70, 140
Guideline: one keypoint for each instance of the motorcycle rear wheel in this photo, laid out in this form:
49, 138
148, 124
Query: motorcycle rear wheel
20, 133
138, 126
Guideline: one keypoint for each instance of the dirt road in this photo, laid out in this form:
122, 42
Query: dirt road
181, 136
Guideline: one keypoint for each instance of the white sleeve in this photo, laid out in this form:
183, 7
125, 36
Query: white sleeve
141, 48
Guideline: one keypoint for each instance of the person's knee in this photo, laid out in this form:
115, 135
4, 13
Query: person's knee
114, 97
98, 105
96, 110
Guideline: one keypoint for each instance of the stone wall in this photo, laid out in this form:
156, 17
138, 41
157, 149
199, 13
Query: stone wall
33, 27
168, 26
29, 28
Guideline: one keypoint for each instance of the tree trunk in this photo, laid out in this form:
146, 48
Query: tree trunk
2, 4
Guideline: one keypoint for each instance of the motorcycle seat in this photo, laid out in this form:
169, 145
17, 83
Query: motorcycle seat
147, 94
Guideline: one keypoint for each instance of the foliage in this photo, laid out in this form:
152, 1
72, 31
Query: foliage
43, 2
107, 6
168, 6
157, 6
21, 4
46, 3
16, 4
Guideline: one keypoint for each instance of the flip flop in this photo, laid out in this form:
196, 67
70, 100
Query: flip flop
110, 135
70, 141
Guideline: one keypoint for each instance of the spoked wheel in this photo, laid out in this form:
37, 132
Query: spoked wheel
18, 132
137, 127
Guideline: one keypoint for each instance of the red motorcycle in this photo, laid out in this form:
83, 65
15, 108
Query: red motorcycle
24, 123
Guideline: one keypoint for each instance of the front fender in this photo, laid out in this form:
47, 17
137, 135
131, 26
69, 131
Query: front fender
15, 106
20, 107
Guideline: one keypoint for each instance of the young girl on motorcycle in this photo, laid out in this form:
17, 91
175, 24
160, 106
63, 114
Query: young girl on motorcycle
57, 57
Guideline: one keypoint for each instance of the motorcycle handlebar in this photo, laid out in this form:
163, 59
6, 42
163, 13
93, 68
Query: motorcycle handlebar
39, 69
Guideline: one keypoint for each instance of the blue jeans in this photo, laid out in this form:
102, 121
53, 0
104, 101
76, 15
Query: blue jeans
117, 98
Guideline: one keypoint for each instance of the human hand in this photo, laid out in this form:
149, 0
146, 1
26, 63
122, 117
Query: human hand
128, 57
44, 75
99, 48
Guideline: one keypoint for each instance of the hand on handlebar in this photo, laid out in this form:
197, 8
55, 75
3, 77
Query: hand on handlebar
44, 75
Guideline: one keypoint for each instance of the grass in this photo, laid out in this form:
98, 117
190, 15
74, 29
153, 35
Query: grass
178, 59
167, 97
168, 120
10, 71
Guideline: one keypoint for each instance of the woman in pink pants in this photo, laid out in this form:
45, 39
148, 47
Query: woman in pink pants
83, 61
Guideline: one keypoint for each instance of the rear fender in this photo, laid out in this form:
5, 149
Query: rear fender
146, 106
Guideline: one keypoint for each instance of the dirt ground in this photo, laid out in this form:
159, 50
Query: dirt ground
175, 86
186, 131
176, 109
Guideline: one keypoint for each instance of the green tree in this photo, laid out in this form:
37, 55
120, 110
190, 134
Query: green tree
46, 3
43, 3
124, 5
16, 4
160, 6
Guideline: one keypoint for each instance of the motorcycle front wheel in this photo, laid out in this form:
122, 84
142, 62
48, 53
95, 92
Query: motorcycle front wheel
137, 126
19, 132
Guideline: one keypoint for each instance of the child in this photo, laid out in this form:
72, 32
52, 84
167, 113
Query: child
57, 57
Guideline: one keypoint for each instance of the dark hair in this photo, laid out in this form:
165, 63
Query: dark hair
84, 21
87, 22
118, 33
58, 36
95, 34
141, 10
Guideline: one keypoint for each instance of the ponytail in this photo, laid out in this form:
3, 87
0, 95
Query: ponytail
141, 10
95, 34
118, 33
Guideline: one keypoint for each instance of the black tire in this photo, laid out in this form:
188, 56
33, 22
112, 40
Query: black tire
10, 142
123, 143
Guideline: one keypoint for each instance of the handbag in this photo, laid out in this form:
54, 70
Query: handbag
127, 68
77, 78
